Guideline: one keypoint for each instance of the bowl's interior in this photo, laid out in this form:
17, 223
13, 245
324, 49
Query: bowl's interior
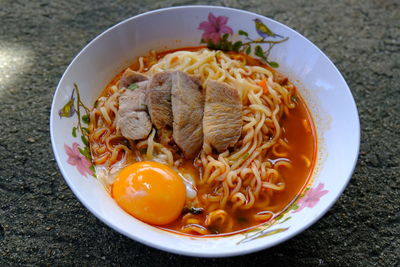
323, 88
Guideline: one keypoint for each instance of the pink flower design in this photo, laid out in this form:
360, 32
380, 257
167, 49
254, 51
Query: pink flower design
312, 197
75, 158
214, 28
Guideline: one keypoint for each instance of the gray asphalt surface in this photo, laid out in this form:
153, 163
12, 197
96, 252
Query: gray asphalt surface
42, 223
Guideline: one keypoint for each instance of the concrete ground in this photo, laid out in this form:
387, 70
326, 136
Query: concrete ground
41, 221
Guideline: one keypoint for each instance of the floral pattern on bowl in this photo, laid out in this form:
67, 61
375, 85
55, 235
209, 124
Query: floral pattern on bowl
308, 199
78, 156
219, 36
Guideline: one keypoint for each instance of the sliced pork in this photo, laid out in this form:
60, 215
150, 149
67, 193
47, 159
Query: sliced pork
187, 110
222, 122
158, 101
132, 118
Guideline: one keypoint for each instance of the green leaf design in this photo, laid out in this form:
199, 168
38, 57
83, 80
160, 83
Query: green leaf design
236, 46
241, 32
225, 45
271, 232
133, 86
211, 45
285, 220
258, 51
273, 64
74, 131
81, 151
85, 140
85, 152
93, 170
85, 129
248, 50
295, 207
85, 119
261, 234
225, 37
280, 216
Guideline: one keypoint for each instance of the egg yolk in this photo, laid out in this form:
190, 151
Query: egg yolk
150, 191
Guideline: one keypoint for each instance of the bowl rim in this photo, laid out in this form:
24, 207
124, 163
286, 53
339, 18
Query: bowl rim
199, 253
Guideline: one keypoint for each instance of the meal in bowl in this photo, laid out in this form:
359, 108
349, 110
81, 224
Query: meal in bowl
202, 142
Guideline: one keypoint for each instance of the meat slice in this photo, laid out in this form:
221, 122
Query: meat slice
136, 98
158, 101
129, 76
132, 118
135, 125
187, 110
222, 122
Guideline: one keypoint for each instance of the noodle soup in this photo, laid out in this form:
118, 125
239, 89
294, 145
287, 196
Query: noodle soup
227, 190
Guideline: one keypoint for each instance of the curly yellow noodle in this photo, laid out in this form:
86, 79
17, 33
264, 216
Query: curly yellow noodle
262, 217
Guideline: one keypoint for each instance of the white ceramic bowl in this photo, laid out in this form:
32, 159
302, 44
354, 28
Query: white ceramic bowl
320, 83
